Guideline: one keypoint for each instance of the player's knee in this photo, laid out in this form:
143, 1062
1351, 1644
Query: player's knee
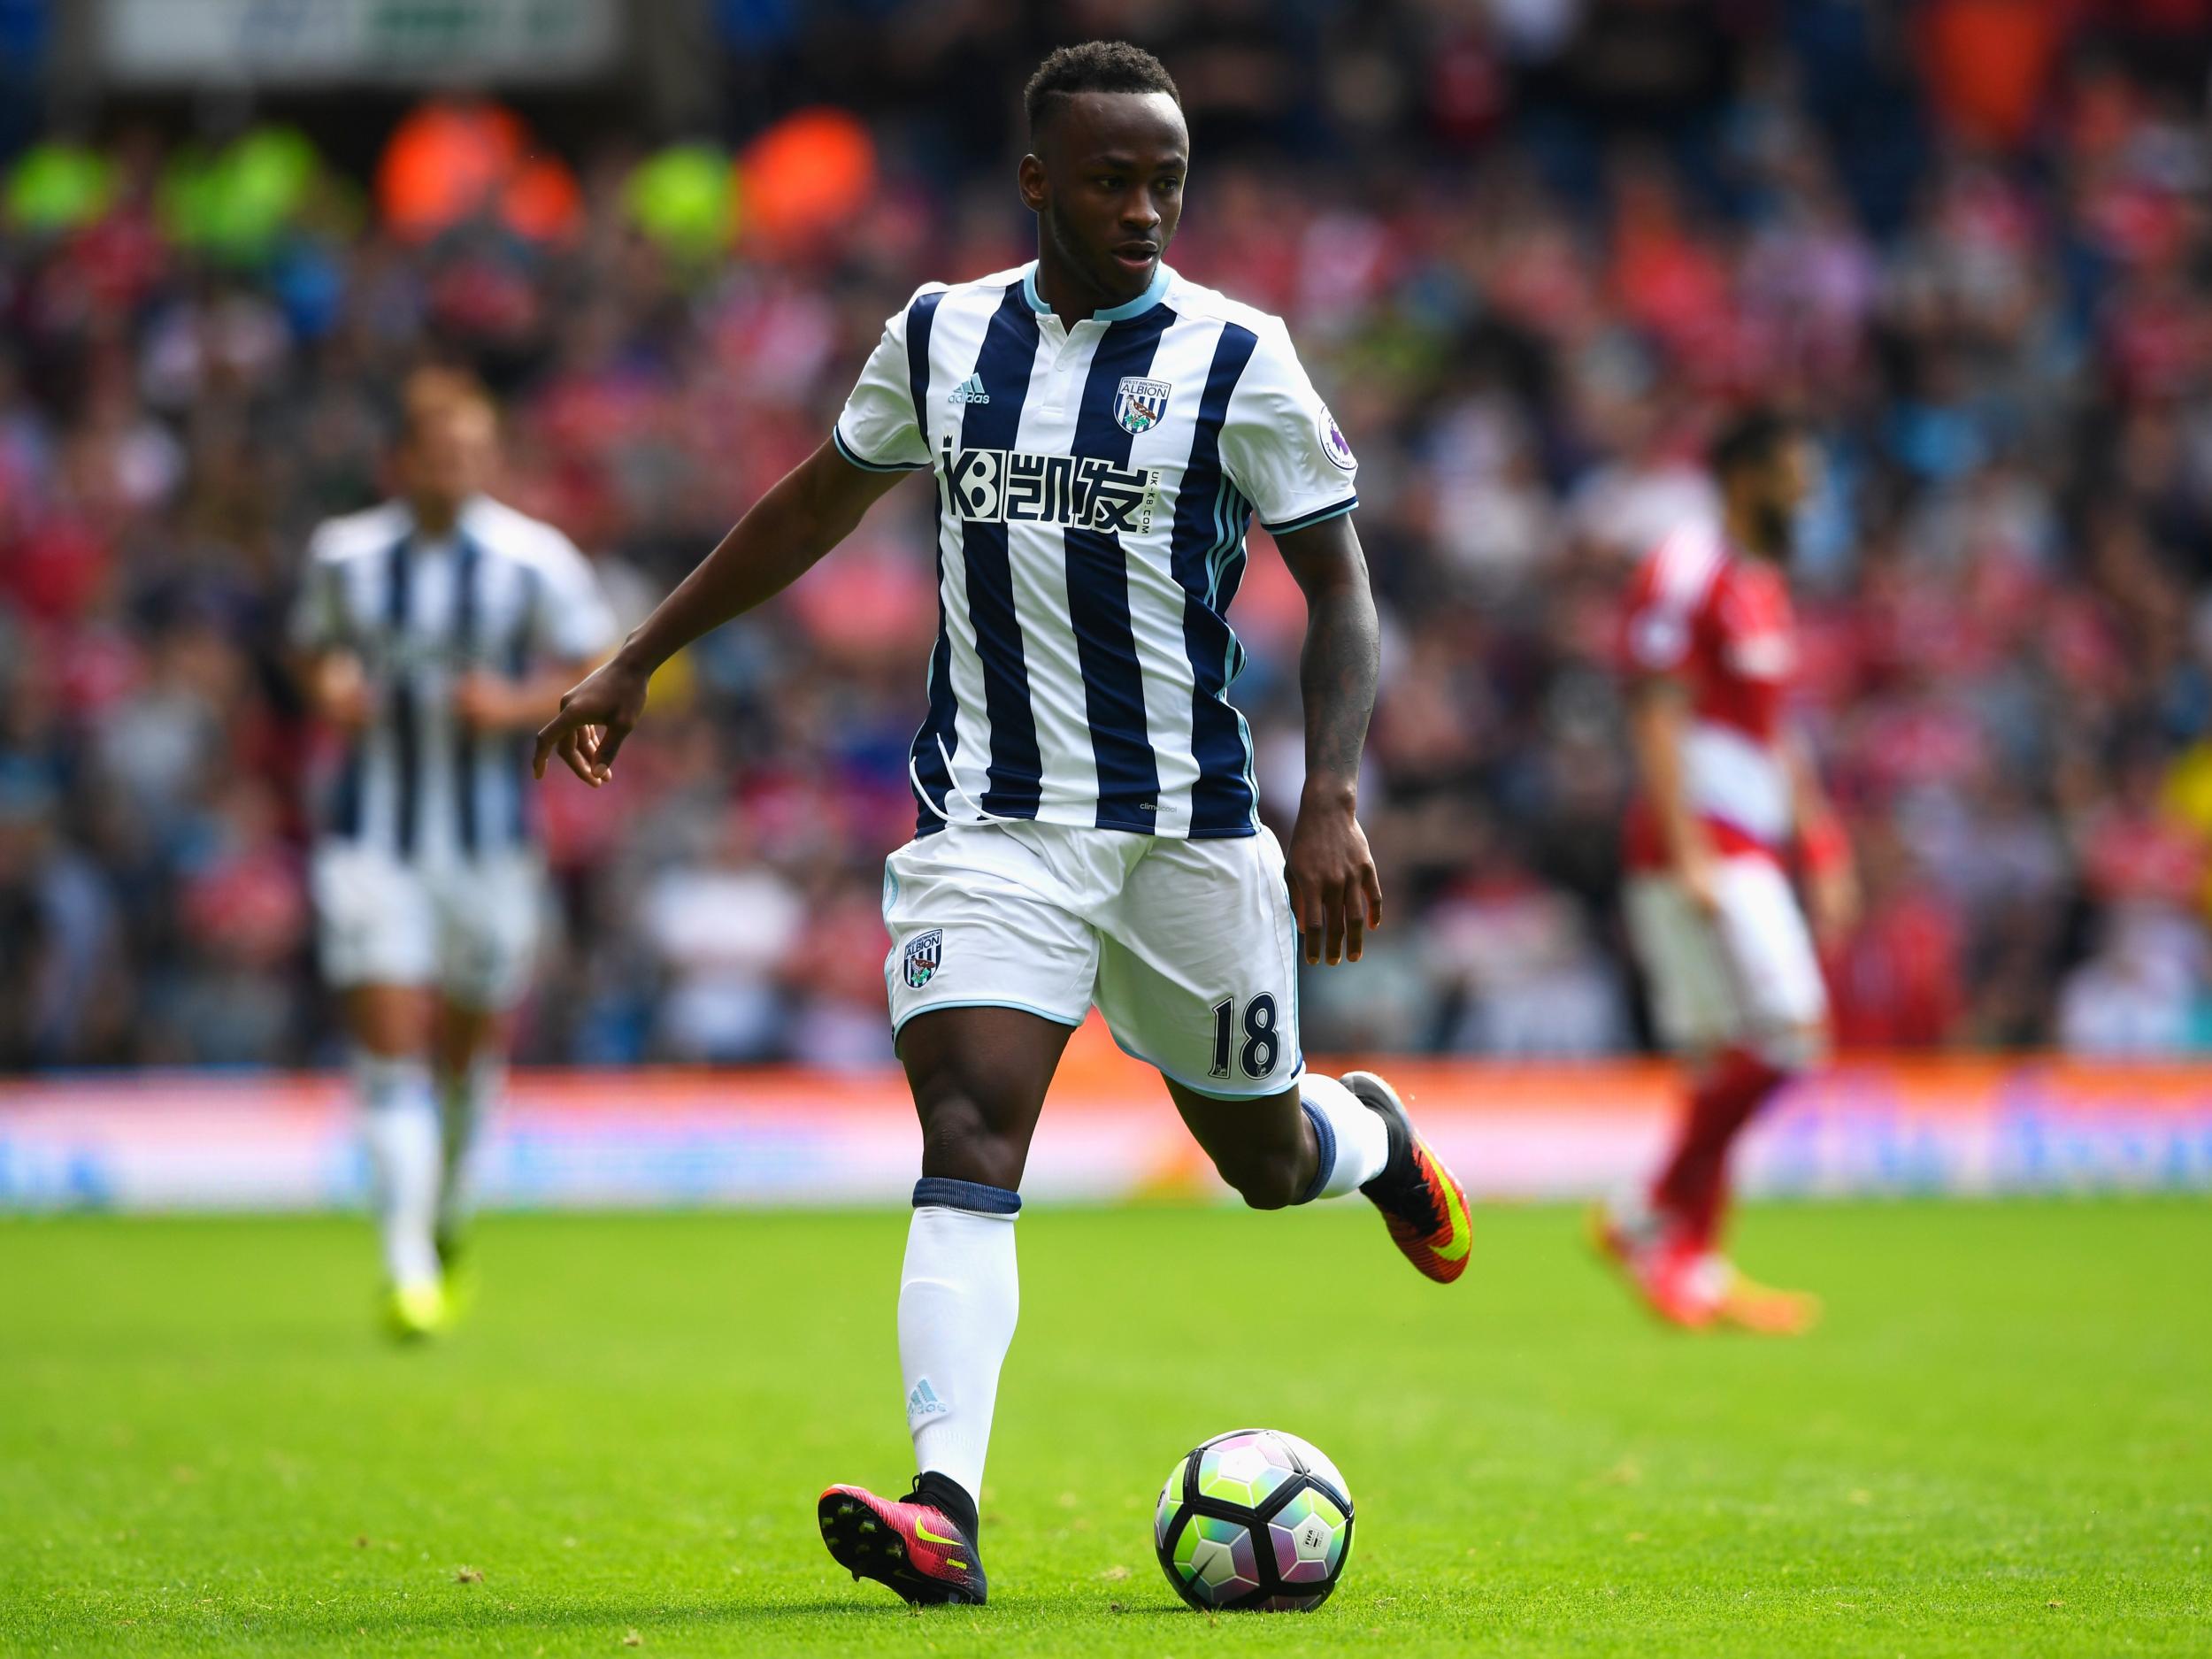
959, 1143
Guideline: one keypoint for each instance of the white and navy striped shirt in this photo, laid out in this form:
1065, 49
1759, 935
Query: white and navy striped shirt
499, 592
1094, 483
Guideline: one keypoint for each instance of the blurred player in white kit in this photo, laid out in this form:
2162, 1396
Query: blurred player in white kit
434, 632
1729, 795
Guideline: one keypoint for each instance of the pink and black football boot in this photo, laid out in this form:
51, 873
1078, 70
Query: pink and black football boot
909, 1544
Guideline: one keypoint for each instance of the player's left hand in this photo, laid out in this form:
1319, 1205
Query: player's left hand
1335, 891
595, 716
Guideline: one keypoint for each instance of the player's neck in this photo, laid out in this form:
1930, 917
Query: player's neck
1071, 298
433, 516
1743, 540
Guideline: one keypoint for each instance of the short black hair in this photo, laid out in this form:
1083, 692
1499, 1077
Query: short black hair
1750, 438
1094, 67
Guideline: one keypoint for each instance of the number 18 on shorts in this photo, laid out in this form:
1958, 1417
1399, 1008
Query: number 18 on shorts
1188, 947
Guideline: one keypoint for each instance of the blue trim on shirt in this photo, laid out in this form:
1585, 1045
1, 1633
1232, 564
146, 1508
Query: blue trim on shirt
1307, 519
866, 465
1155, 291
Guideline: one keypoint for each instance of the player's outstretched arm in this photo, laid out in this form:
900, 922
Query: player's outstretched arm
782, 536
1335, 891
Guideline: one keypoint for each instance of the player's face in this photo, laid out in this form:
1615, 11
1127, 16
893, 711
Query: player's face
1777, 490
1106, 186
447, 456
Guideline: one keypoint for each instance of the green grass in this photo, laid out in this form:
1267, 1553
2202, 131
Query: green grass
2001, 1442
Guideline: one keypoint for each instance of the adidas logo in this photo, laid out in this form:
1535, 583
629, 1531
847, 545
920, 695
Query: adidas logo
969, 391
923, 1403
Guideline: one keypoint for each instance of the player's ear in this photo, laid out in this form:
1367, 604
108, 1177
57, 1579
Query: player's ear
1029, 178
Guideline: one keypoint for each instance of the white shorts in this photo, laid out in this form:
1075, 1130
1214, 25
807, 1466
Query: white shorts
1186, 947
1745, 977
468, 929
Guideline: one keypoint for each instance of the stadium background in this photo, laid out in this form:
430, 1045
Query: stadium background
1528, 248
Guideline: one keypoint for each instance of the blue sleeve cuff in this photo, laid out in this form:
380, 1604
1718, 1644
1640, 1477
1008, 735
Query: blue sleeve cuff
865, 464
1335, 509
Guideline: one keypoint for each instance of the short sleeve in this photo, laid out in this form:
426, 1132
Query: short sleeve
318, 622
1659, 622
880, 429
574, 620
1280, 445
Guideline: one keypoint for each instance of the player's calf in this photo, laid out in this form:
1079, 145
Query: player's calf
1323, 1138
1313, 1140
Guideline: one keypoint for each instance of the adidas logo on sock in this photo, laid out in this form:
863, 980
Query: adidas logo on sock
923, 1403
969, 391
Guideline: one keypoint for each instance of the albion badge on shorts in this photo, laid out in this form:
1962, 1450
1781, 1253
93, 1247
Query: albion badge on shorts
924, 952
1141, 405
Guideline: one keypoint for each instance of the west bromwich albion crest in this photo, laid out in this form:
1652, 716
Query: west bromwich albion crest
924, 952
1139, 405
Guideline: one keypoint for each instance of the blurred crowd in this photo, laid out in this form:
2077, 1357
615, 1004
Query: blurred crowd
1528, 249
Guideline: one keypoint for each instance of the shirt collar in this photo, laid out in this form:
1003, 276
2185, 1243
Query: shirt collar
453, 532
1154, 293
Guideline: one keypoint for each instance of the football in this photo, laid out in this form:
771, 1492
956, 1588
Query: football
1254, 1518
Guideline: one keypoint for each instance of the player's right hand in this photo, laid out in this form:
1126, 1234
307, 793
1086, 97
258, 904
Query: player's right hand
338, 688
1335, 895
595, 717
1699, 872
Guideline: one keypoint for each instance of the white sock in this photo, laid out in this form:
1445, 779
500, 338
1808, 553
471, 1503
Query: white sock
958, 1296
1355, 1141
399, 1124
465, 1099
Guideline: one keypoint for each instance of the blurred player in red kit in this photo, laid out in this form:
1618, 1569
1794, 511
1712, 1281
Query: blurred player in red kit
1729, 795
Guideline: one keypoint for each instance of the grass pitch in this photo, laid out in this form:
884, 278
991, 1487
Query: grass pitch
2001, 1442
